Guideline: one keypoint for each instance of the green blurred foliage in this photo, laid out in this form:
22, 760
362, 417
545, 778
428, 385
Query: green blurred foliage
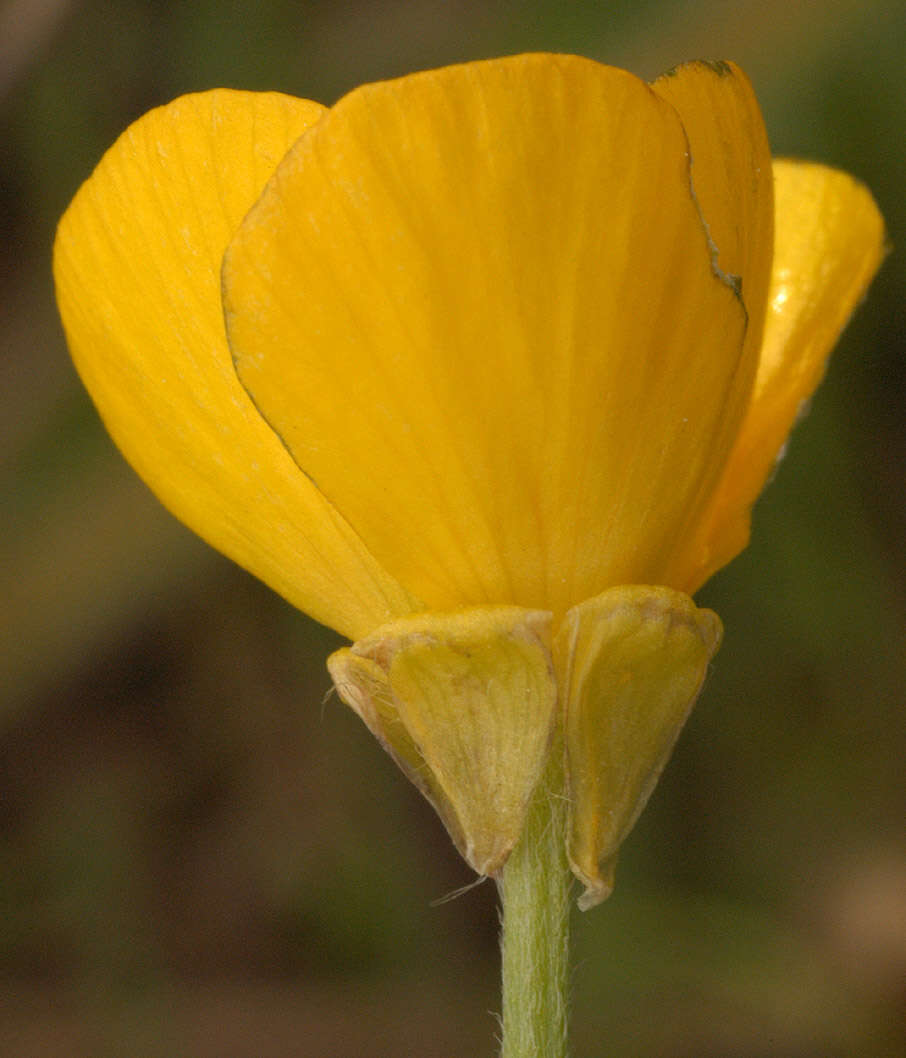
201, 856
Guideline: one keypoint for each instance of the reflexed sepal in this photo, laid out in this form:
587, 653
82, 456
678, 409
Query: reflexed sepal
631, 663
465, 703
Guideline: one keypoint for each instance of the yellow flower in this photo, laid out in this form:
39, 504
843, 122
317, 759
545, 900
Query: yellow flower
459, 366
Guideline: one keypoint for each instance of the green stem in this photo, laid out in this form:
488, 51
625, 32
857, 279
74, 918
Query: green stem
535, 901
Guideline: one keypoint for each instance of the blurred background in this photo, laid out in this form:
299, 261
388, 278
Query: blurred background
201, 857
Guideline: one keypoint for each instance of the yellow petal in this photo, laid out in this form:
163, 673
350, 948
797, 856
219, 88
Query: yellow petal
631, 663
731, 172
829, 243
478, 305
464, 703
137, 267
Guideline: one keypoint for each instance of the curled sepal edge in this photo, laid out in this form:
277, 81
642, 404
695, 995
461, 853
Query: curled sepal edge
465, 703
631, 663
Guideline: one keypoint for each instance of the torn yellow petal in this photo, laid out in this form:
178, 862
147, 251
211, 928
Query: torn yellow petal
732, 177
731, 172
630, 664
493, 284
829, 243
137, 268
465, 703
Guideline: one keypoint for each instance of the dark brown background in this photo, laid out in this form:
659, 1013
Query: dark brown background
200, 857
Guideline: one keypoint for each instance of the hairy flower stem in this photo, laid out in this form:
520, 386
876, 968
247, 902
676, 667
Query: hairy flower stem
534, 895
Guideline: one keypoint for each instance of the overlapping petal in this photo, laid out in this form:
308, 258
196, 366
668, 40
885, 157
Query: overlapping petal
479, 307
137, 266
731, 174
829, 243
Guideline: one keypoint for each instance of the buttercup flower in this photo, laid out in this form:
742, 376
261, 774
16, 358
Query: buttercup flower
484, 368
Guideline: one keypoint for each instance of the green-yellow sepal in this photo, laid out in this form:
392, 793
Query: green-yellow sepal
465, 704
631, 663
